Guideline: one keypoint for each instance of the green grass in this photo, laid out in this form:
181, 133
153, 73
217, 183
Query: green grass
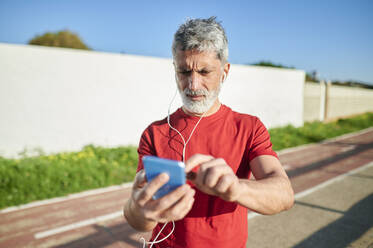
46, 176
289, 136
42, 177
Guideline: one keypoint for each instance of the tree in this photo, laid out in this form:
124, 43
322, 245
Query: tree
270, 64
312, 76
63, 38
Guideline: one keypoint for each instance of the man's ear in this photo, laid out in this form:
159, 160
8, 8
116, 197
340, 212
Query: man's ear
226, 69
173, 62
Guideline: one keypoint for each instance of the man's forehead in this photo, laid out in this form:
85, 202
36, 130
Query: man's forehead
190, 57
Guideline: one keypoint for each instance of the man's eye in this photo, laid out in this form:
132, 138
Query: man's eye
184, 72
203, 72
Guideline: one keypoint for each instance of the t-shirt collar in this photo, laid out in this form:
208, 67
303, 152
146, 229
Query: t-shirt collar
215, 116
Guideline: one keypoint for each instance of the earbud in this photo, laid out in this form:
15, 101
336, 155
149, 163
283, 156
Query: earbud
224, 76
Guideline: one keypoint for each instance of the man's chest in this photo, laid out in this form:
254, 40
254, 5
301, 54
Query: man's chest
229, 143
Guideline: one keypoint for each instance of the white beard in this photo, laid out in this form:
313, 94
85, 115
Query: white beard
202, 106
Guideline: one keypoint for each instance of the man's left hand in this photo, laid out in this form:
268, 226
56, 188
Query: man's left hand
214, 177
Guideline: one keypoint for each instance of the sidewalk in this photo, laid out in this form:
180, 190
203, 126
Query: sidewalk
337, 215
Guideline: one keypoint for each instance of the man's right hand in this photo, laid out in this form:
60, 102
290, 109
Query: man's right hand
143, 208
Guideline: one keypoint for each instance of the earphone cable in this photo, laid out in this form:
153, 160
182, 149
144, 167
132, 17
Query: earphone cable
184, 148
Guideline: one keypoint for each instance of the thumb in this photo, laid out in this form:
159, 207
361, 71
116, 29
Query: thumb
140, 179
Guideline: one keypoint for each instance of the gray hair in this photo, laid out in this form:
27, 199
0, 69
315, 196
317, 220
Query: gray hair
201, 35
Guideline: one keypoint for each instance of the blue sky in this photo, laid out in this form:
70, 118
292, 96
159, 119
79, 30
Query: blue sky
334, 37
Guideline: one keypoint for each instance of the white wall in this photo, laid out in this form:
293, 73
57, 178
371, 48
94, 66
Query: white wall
62, 99
311, 108
274, 95
343, 101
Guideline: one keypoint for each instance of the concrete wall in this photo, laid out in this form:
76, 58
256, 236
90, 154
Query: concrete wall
343, 101
311, 108
62, 99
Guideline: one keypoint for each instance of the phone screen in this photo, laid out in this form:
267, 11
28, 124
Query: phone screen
175, 169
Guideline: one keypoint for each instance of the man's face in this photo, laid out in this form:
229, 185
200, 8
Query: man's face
199, 76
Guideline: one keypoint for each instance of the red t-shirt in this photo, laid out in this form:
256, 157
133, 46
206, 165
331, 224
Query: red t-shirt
235, 137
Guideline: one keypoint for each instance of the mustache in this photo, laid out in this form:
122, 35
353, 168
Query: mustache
200, 92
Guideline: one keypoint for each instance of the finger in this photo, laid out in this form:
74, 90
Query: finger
170, 199
140, 179
212, 171
151, 188
180, 208
203, 170
213, 174
183, 207
201, 174
190, 205
223, 184
196, 160
209, 172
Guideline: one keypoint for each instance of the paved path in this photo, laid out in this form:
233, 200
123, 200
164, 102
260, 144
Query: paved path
323, 205
337, 215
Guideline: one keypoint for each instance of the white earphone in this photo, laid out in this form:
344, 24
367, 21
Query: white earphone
155, 241
224, 76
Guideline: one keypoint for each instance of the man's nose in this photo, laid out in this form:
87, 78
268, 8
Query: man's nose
194, 81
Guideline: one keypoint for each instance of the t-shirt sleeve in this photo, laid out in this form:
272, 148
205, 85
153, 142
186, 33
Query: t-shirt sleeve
261, 142
145, 148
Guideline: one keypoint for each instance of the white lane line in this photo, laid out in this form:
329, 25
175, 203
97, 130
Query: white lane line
79, 224
330, 181
66, 198
342, 137
321, 185
348, 148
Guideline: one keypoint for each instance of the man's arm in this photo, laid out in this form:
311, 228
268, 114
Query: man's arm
143, 213
269, 194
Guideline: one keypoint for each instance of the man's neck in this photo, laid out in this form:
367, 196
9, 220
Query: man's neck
215, 107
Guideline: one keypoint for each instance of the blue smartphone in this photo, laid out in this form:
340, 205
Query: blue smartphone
175, 170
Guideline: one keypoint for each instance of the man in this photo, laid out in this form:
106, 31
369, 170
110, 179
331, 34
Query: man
221, 149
